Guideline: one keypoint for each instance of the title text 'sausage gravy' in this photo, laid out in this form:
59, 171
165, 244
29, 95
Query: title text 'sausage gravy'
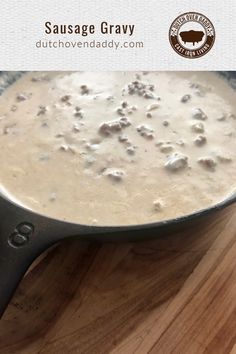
118, 147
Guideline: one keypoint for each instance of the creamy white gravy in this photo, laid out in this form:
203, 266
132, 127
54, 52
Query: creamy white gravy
118, 147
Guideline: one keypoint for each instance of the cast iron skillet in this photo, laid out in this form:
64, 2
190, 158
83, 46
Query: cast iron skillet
24, 234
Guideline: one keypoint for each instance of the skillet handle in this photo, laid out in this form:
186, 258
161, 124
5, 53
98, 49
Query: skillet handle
24, 235
18, 249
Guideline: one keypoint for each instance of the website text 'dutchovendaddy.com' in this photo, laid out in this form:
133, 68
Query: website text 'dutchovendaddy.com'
109, 44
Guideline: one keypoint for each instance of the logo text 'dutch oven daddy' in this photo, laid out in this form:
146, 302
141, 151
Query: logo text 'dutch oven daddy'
192, 35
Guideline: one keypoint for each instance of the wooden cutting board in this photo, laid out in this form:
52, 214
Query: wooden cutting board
175, 294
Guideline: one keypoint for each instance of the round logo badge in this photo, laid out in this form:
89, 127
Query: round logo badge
192, 35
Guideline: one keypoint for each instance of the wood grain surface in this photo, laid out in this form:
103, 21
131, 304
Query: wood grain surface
174, 294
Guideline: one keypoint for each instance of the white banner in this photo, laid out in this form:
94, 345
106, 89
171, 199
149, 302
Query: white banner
118, 35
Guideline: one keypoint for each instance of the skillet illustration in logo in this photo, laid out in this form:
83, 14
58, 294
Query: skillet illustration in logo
192, 35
